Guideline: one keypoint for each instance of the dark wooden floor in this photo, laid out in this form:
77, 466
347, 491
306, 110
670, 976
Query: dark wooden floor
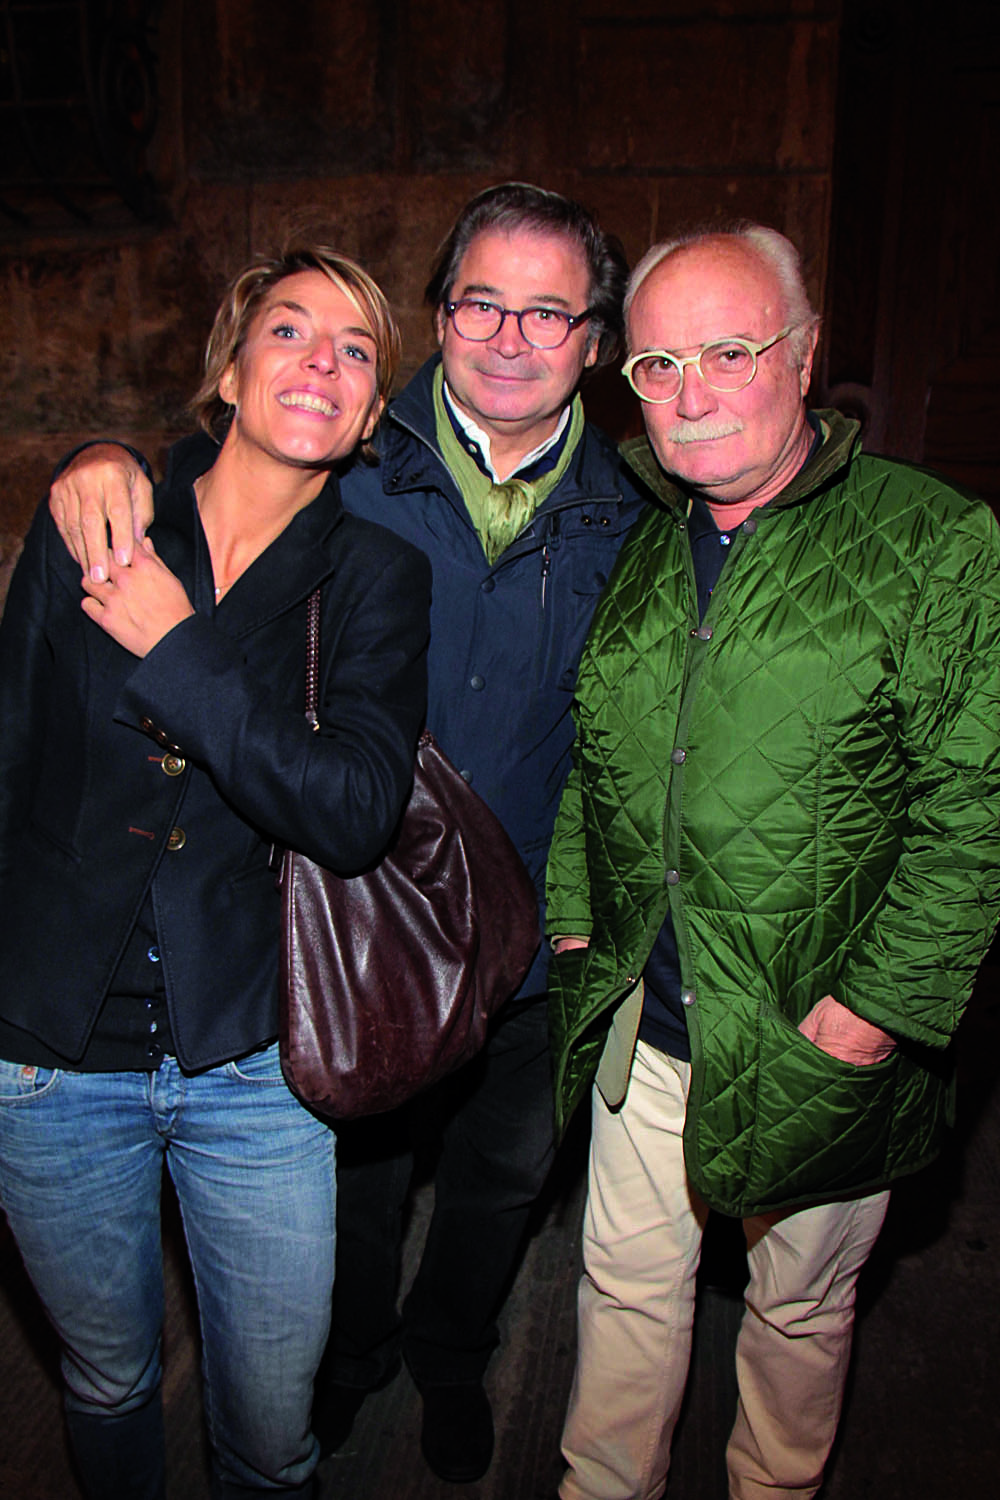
921, 1421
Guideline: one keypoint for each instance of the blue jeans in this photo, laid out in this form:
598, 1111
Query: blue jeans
81, 1158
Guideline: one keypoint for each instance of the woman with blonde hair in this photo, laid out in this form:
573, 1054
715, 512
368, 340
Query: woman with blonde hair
154, 749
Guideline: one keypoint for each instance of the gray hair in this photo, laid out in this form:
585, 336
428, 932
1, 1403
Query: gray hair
777, 252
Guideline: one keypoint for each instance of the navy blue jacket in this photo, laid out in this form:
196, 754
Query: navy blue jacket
506, 638
89, 794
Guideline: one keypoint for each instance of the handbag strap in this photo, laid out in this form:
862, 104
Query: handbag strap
312, 658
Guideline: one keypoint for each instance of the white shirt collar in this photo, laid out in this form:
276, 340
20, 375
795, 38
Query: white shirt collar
481, 439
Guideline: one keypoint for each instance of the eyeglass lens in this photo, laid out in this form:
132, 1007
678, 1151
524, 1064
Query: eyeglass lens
727, 366
543, 327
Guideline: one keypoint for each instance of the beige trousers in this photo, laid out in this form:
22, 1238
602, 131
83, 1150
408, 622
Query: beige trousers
642, 1243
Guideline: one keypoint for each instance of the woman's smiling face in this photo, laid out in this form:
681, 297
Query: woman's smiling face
303, 385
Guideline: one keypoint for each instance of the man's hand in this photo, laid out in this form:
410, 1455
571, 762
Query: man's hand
139, 604
564, 944
840, 1033
103, 485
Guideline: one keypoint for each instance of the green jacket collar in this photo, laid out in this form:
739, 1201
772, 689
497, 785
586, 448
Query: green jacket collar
840, 443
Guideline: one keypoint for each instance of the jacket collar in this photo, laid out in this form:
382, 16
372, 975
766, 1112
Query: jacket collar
839, 445
285, 574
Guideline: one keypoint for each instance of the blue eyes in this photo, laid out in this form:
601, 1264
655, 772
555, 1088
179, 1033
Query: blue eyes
354, 352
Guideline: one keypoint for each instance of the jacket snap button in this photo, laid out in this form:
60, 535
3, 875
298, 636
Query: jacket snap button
678, 756
173, 765
177, 839
673, 877
749, 527
704, 632
477, 683
687, 997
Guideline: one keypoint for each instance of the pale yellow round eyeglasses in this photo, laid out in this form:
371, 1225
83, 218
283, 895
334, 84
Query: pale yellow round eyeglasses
657, 376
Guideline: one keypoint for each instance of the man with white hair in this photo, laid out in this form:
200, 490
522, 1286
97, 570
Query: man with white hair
775, 866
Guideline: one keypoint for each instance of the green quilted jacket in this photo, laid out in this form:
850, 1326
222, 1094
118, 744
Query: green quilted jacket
810, 780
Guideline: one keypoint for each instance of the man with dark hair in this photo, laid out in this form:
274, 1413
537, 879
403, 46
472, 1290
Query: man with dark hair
489, 466
775, 868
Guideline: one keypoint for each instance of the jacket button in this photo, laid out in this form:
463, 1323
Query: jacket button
488, 585
749, 526
687, 997
678, 756
673, 877
177, 839
173, 765
477, 683
704, 632
146, 724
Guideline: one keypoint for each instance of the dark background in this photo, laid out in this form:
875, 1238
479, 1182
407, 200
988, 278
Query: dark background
149, 147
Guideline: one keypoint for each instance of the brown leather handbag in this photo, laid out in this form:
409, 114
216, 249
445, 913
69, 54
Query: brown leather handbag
389, 978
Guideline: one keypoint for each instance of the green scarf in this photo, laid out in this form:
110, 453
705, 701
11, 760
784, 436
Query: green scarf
499, 512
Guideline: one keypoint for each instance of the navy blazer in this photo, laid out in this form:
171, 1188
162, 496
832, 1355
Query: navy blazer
174, 773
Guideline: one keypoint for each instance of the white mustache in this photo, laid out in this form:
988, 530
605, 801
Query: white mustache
703, 431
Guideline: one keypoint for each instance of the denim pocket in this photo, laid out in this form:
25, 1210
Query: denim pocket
22, 1081
261, 1067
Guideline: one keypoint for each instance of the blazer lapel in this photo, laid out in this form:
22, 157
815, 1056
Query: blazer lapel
285, 574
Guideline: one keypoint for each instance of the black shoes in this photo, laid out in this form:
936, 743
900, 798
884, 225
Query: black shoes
335, 1407
457, 1434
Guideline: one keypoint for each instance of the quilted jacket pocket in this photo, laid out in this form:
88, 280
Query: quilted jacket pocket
822, 1126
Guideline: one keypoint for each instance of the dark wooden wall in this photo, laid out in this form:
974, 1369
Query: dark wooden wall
864, 130
913, 298
379, 118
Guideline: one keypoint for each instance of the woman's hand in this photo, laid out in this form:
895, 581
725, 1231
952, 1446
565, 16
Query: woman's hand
840, 1033
139, 604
